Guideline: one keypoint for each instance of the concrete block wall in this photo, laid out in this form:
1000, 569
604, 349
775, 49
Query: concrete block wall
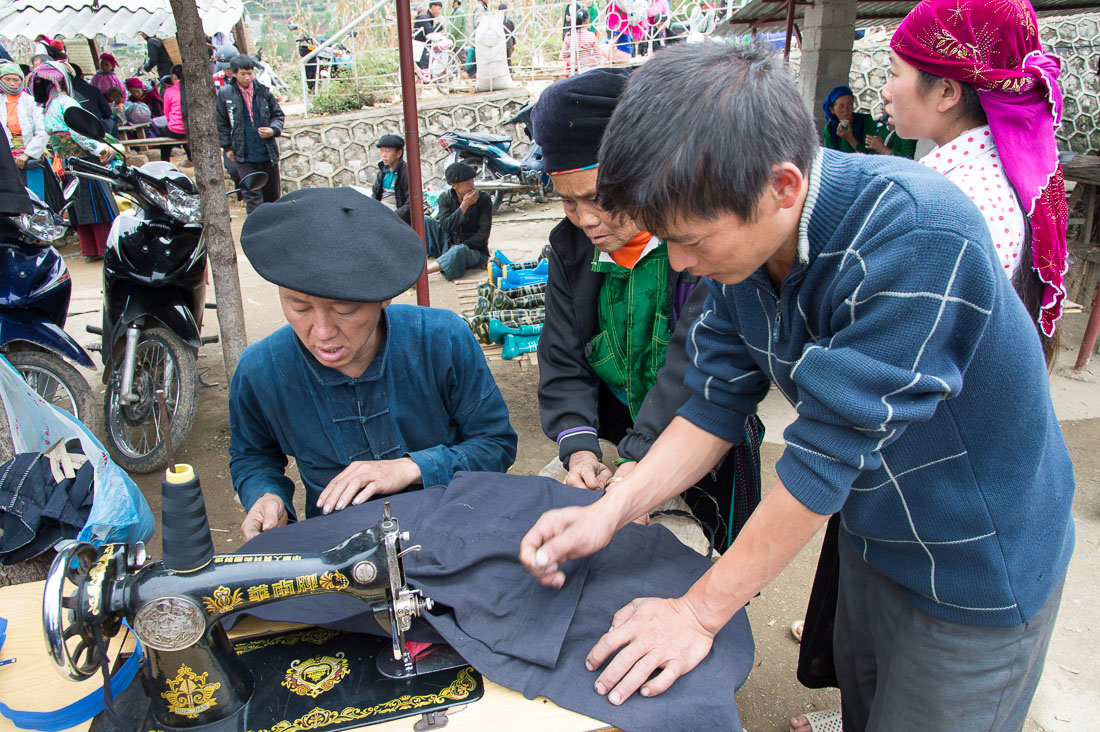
340, 150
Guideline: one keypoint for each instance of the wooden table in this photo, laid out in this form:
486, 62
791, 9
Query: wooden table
1084, 170
33, 684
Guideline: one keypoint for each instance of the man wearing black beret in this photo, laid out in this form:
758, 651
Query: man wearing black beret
369, 398
466, 216
391, 185
611, 352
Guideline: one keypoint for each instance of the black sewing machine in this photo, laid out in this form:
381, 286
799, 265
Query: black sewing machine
193, 676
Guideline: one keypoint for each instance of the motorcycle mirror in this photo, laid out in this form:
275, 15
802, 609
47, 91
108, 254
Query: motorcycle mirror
293, 26
251, 182
70, 188
85, 123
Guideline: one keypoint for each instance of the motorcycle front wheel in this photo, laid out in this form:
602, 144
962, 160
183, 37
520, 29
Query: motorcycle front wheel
58, 382
134, 431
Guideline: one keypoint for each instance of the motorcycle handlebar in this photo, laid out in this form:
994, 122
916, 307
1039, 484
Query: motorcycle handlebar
80, 165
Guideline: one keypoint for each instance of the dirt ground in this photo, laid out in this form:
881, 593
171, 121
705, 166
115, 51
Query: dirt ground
1069, 695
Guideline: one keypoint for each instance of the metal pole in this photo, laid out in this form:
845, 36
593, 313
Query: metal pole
1088, 343
412, 137
574, 53
790, 31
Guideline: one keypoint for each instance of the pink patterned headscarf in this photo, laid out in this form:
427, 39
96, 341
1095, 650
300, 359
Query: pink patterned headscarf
994, 46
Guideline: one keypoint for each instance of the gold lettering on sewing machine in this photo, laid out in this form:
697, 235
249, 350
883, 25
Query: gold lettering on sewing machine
334, 581
189, 694
282, 588
239, 558
95, 577
223, 600
307, 583
258, 593
315, 676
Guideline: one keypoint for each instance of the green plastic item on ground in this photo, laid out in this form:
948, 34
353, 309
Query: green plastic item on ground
498, 330
517, 345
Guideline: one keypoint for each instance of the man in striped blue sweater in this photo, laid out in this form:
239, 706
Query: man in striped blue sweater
867, 290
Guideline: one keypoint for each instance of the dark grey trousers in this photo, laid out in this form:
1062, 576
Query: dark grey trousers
270, 192
902, 670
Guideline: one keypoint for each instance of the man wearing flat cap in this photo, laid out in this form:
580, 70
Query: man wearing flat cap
611, 352
466, 217
369, 398
391, 185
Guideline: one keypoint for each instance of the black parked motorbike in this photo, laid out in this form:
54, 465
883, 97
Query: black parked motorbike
154, 287
34, 303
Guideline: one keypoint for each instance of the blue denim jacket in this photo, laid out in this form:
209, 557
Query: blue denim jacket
427, 395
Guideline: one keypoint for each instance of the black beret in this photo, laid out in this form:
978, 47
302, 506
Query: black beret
571, 115
458, 172
335, 243
391, 141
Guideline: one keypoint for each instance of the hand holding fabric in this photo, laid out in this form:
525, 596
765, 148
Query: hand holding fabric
365, 479
586, 471
267, 513
874, 142
649, 634
265, 132
564, 534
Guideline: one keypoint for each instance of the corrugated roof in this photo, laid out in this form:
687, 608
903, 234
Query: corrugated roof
769, 13
112, 18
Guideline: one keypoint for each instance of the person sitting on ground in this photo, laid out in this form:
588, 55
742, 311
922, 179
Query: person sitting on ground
369, 398
466, 216
611, 352
868, 291
106, 78
847, 130
391, 185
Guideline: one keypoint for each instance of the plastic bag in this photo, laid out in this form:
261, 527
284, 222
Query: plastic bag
119, 512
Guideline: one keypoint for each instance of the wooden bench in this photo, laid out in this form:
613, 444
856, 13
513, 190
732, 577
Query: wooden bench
151, 142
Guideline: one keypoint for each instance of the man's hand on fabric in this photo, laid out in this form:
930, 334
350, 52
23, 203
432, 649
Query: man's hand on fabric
21, 161
365, 479
265, 132
586, 471
229, 156
649, 634
564, 534
267, 513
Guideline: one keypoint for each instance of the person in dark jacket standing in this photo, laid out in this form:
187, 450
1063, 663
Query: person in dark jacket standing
92, 99
612, 350
466, 215
249, 120
158, 57
391, 185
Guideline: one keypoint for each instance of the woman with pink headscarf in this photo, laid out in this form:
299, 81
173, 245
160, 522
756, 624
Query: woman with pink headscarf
972, 76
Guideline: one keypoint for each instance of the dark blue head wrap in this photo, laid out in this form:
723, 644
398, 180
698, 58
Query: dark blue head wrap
837, 93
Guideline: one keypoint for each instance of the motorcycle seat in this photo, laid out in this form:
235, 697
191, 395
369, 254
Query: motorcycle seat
486, 138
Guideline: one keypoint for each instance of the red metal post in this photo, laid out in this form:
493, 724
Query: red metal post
790, 31
412, 136
1091, 331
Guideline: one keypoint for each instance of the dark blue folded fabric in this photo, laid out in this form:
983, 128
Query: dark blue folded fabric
514, 631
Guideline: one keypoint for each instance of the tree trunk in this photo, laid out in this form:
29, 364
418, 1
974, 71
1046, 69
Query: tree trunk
210, 175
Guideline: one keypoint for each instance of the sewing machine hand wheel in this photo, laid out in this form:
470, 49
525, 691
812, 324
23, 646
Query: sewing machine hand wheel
62, 618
